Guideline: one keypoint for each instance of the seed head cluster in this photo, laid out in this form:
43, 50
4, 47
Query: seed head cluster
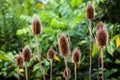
101, 35
63, 44
36, 26
50, 53
76, 56
90, 11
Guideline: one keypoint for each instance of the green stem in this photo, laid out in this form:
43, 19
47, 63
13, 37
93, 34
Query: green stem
75, 70
18, 73
50, 69
65, 60
102, 62
90, 30
39, 58
26, 73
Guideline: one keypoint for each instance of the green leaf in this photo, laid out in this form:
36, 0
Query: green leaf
111, 48
36, 67
46, 62
75, 2
117, 61
95, 49
3, 57
22, 31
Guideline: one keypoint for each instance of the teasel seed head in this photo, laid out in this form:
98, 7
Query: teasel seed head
63, 44
67, 73
36, 26
19, 60
101, 37
76, 55
50, 54
89, 11
26, 54
99, 25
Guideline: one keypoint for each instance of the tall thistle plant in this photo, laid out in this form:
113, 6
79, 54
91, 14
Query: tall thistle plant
26, 55
76, 56
19, 63
50, 57
64, 49
101, 39
37, 30
90, 16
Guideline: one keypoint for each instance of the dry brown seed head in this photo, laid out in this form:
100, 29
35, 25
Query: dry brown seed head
19, 60
50, 53
101, 37
63, 44
89, 11
26, 54
76, 55
99, 25
67, 73
36, 26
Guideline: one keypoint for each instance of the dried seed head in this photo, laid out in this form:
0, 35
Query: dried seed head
19, 60
76, 55
67, 73
101, 37
50, 53
36, 26
26, 54
99, 25
63, 44
89, 11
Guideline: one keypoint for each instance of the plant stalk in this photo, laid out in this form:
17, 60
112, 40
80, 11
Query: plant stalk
26, 73
102, 62
50, 69
66, 66
90, 31
39, 57
18, 73
75, 70
65, 60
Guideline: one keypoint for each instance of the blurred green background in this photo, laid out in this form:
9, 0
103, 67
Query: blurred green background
57, 16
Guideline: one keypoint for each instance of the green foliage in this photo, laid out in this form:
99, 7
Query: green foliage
110, 10
57, 16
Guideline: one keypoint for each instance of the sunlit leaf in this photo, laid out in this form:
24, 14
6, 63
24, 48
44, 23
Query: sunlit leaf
21, 70
22, 31
95, 50
117, 42
40, 5
57, 58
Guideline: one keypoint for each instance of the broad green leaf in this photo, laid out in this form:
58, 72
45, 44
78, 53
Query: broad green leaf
110, 48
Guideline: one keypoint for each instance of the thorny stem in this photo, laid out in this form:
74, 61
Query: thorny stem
75, 69
50, 69
65, 60
102, 62
18, 73
26, 73
90, 30
66, 66
39, 58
